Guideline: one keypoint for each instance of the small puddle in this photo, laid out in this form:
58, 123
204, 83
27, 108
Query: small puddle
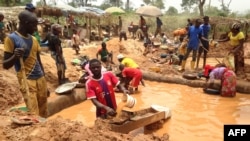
195, 116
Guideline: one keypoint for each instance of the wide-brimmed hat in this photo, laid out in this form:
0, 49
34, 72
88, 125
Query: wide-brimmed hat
120, 56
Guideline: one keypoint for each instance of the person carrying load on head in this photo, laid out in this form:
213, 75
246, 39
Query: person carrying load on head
181, 33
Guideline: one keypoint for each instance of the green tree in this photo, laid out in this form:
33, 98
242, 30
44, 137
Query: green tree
127, 5
212, 10
14, 2
105, 5
116, 3
188, 4
225, 6
172, 11
78, 3
147, 2
157, 3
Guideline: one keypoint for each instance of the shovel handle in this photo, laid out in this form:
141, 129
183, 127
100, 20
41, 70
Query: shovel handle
24, 78
214, 57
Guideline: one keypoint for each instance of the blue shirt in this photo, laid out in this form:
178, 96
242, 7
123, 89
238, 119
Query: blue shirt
194, 34
31, 49
205, 30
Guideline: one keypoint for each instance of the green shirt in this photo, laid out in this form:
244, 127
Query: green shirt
1, 25
36, 34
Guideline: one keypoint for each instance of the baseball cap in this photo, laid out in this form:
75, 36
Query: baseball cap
30, 6
120, 56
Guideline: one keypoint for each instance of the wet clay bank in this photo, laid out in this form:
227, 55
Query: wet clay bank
195, 116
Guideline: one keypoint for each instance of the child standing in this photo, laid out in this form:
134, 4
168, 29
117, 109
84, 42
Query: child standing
76, 41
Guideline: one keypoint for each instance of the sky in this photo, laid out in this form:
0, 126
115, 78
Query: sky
240, 6
236, 5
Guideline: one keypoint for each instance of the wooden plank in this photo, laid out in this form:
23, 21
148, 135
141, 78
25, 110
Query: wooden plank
141, 117
132, 125
136, 111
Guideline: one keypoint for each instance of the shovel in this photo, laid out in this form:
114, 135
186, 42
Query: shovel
214, 57
24, 79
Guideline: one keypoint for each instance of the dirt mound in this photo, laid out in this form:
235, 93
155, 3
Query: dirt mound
10, 94
62, 130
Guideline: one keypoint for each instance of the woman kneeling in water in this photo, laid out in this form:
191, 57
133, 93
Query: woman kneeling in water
227, 77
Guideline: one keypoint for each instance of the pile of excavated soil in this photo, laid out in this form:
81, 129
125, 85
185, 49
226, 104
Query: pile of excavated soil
10, 94
60, 129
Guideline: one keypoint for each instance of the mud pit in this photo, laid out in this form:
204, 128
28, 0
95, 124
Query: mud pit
61, 129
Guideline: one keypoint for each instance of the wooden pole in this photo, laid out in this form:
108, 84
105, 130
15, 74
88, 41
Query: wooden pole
89, 28
99, 28
24, 81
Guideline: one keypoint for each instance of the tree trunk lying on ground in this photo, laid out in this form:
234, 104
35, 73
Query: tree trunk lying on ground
64, 101
242, 86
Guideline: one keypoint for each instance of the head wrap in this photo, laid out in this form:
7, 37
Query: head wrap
236, 26
208, 69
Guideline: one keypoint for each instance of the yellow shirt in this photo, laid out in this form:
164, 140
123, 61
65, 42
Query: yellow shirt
127, 62
235, 40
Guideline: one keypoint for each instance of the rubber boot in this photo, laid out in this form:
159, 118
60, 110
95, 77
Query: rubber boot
183, 64
192, 65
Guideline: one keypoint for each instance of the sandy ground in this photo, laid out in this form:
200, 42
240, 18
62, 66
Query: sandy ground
61, 129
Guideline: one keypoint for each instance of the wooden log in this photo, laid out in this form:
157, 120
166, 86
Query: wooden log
64, 101
242, 85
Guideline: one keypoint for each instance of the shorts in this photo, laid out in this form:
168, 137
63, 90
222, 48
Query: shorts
205, 45
105, 58
60, 66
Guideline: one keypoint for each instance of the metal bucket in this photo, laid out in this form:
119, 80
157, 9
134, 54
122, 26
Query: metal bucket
130, 101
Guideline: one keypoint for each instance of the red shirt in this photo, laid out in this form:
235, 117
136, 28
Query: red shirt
103, 90
131, 72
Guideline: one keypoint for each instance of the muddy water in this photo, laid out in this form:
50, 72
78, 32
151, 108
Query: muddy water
195, 116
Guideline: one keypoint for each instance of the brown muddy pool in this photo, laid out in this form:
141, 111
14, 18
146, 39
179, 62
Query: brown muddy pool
195, 116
